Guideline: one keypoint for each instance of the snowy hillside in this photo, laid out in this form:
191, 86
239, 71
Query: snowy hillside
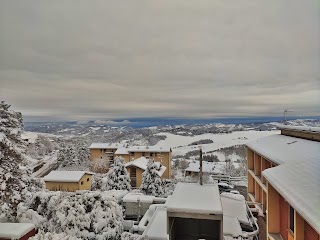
181, 144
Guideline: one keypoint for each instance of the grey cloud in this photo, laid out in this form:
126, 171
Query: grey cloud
112, 59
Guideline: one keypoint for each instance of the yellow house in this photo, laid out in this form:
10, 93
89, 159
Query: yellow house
130, 153
69, 181
283, 181
138, 166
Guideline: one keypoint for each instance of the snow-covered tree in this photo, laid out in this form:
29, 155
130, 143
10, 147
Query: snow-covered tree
100, 165
151, 181
118, 176
99, 182
66, 156
53, 236
11, 123
86, 215
13, 181
83, 153
13, 168
73, 157
43, 145
130, 236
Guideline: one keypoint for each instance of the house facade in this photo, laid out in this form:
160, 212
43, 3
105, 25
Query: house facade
284, 184
69, 181
137, 167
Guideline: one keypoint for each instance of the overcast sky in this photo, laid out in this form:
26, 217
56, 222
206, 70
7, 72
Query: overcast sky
93, 59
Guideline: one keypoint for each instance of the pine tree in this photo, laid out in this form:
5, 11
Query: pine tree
13, 169
118, 176
83, 152
73, 157
151, 181
11, 123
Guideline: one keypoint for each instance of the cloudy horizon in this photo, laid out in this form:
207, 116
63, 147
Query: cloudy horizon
98, 60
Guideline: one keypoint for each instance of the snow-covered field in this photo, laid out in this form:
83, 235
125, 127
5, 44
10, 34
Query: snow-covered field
179, 144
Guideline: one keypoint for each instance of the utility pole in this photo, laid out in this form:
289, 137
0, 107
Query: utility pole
200, 172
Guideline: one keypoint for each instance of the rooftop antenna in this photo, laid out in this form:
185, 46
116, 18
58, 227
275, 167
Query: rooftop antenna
285, 115
200, 172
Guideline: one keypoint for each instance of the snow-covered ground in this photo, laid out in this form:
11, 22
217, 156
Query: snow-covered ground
179, 144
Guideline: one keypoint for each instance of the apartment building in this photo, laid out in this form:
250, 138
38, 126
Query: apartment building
100, 150
284, 180
131, 153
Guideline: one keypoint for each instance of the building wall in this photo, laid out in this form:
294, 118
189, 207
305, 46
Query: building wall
95, 153
98, 153
138, 175
62, 186
257, 190
284, 220
278, 219
166, 157
310, 233
87, 182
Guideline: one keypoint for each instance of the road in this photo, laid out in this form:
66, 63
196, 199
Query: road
51, 163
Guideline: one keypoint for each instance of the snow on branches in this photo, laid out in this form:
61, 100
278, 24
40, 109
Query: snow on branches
74, 157
13, 169
118, 176
11, 123
151, 181
86, 215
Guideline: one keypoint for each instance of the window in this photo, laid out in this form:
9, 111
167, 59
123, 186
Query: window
81, 182
133, 172
143, 154
291, 219
132, 154
88, 179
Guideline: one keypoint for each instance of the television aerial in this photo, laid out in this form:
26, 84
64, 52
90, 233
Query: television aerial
285, 112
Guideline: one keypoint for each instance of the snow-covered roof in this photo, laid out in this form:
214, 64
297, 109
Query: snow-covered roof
149, 149
129, 148
207, 167
157, 227
142, 163
195, 198
122, 150
15, 230
300, 128
280, 148
30, 136
231, 226
235, 206
134, 197
106, 145
298, 182
65, 176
